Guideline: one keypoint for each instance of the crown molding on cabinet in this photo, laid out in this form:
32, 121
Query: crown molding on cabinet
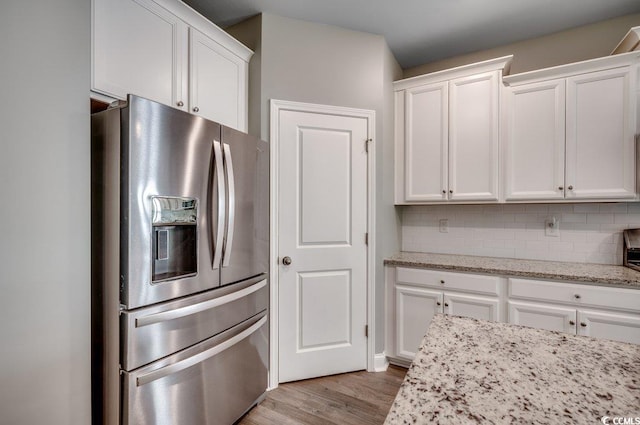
630, 42
502, 63
202, 24
562, 71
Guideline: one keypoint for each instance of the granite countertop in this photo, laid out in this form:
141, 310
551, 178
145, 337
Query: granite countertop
575, 272
471, 371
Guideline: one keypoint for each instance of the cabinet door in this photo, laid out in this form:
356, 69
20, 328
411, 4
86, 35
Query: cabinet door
601, 124
614, 326
542, 316
473, 137
414, 310
534, 141
217, 83
481, 308
426, 142
140, 48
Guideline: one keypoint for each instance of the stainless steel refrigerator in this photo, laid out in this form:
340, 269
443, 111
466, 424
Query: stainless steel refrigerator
180, 248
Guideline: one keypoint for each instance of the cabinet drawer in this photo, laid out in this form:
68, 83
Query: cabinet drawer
446, 280
575, 294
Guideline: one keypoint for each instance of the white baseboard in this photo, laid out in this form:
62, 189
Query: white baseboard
380, 362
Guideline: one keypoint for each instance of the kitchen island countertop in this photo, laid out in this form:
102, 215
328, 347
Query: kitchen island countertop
596, 274
471, 371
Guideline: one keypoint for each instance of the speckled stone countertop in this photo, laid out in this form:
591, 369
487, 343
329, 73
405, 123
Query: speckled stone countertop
471, 371
574, 272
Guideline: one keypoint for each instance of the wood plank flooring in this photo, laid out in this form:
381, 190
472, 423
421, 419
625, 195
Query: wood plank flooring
357, 398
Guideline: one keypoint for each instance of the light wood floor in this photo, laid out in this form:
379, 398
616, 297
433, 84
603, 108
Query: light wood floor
356, 398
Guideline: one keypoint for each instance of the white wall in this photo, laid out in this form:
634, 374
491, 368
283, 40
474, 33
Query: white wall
590, 233
45, 213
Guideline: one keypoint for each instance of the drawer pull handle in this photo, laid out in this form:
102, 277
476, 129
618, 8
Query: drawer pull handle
577, 296
176, 367
198, 308
572, 323
584, 325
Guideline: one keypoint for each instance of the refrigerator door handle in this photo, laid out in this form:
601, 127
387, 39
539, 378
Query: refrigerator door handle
228, 165
217, 249
198, 358
197, 308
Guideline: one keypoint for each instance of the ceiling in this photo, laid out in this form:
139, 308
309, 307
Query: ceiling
423, 31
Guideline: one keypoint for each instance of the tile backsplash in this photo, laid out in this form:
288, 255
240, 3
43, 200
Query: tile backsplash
588, 233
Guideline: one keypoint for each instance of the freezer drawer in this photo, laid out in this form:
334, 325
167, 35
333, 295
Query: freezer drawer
212, 383
154, 332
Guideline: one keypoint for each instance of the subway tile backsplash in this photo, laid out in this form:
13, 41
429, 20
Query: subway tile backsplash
588, 233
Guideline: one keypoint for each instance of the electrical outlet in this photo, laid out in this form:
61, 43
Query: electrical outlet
444, 225
552, 227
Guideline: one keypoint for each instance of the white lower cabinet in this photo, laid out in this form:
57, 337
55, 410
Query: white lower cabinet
542, 316
615, 326
414, 295
599, 312
419, 294
414, 310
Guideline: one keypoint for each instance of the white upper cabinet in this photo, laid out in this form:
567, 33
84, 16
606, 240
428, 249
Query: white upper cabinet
164, 51
426, 142
447, 134
601, 124
140, 48
218, 81
569, 132
534, 152
473, 137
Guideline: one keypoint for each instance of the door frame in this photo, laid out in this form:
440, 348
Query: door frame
276, 106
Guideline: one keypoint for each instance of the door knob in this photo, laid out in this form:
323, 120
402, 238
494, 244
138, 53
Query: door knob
286, 261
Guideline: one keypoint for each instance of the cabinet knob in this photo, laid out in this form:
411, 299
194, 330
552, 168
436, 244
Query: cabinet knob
577, 296
446, 304
570, 187
450, 191
572, 323
442, 281
180, 103
196, 109
560, 188
584, 325
438, 303
444, 191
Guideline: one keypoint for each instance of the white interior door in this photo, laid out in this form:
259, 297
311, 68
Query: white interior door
322, 222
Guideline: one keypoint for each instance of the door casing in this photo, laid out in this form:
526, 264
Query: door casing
369, 115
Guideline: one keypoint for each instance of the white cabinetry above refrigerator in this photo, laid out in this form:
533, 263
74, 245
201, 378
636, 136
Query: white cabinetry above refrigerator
164, 51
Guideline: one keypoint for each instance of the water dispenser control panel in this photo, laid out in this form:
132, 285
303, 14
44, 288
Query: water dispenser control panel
175, 237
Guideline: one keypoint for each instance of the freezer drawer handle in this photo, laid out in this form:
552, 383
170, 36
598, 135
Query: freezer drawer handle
198, 358
217, 156
197, 308
228, 166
